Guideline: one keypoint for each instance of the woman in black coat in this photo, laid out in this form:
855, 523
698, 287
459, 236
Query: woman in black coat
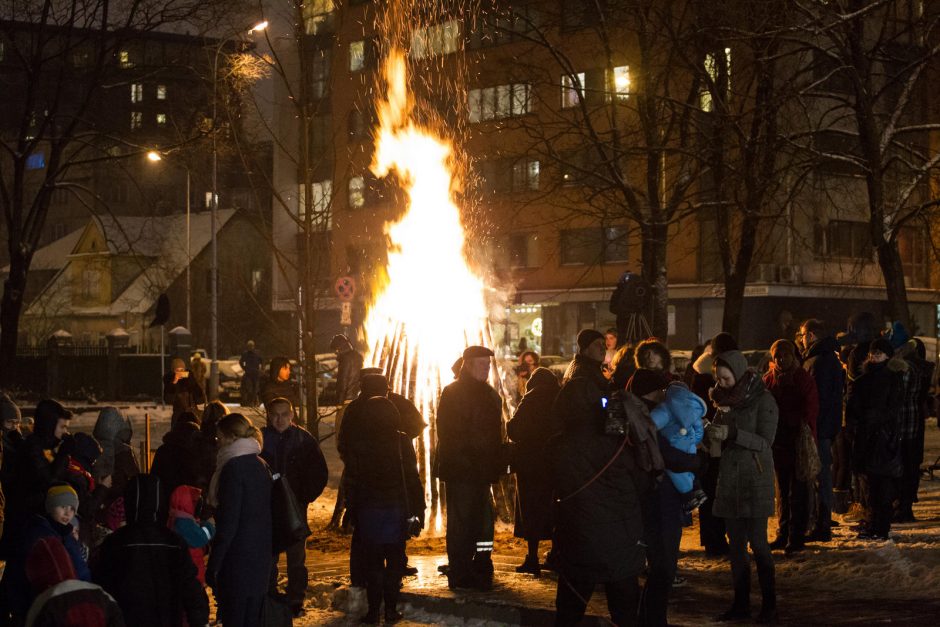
871, 411
531, 428
176, 461
239, 567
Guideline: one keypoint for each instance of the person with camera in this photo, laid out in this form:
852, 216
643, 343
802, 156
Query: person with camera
292, 452
598, 486
469, 459
384, 494
743, 431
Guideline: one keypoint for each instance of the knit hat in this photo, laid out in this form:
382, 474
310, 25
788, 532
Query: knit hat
645, 381
883, 345
87, 450
373, 385
734, 361
8, 409
472, 352
587, 337
61, 495
898, 335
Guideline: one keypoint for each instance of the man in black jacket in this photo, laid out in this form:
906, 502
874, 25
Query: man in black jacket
821, 360
292, 452
599, 525
147, 568
469, 459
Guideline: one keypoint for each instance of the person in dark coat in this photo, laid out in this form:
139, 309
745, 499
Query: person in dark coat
744, 427
114, 431
182, 391
10, 420
279, 383
872, 412
794, 390
147, 568
861, 330
912, 427
61, 597
176, 461
469, 459
821, 361
209, 441
292, 452
91, 493
598, 528
531, 428
348, 365
239, 568
250, 362
384, 493
43, 461
622, 366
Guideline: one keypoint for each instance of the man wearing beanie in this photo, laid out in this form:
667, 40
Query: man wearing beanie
469, 459
598, 526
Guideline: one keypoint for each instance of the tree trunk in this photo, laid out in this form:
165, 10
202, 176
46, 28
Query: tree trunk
734, 304
13, 289
654, 271
889, 259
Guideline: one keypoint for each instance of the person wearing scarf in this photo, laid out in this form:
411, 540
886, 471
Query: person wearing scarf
744, 427
239, 567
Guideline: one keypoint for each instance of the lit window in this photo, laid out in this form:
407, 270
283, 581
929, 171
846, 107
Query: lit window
357, 55
525, 176
137, 119
572, 89
435, 40
137, 92
161, 119
161, 92
619, 83
357, 192
318, 16
322, 197
124, 58
502, 101
718, 76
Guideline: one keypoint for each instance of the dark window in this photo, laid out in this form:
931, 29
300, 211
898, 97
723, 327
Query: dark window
834, 151
912, 246
320, 73
594, 245
522, 250
845, 239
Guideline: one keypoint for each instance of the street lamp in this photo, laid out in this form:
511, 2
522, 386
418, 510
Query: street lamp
153, 156
214, 206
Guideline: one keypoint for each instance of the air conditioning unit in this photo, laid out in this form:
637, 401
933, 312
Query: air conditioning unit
791, 274
766, 273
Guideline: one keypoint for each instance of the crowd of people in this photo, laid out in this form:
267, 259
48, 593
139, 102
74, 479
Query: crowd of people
89, 539
611, 464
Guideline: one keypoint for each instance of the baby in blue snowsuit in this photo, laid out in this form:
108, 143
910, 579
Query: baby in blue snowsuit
679, 420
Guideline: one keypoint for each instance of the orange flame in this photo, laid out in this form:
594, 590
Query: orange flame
432, 304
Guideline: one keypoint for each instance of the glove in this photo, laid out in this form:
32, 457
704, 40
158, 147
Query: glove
717, 433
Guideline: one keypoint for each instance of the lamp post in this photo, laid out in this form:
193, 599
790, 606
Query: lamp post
214, 209
155, 156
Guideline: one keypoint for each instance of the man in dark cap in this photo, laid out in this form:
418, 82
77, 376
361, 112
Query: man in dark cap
470, 438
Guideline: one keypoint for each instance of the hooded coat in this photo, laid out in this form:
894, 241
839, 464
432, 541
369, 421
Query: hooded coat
40, 463
531, 429
746, 470
679, 421
196, 533
147, 568
177, 461
114, 431
872, 408
821, 361
62, 598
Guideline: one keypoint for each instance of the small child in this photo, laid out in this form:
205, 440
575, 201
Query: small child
679, 420
185, 503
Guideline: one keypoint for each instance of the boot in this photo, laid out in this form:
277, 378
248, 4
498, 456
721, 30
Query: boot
390, 592
530, 566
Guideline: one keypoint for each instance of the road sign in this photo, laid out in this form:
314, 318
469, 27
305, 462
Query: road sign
345, 288
345, 314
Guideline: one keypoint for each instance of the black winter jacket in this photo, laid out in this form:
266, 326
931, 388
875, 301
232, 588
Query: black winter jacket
147, 568
872, 408
580, 400
470, 433
296, 454
177, 460
822, 362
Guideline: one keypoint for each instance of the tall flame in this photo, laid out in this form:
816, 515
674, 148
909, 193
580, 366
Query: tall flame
432, 303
